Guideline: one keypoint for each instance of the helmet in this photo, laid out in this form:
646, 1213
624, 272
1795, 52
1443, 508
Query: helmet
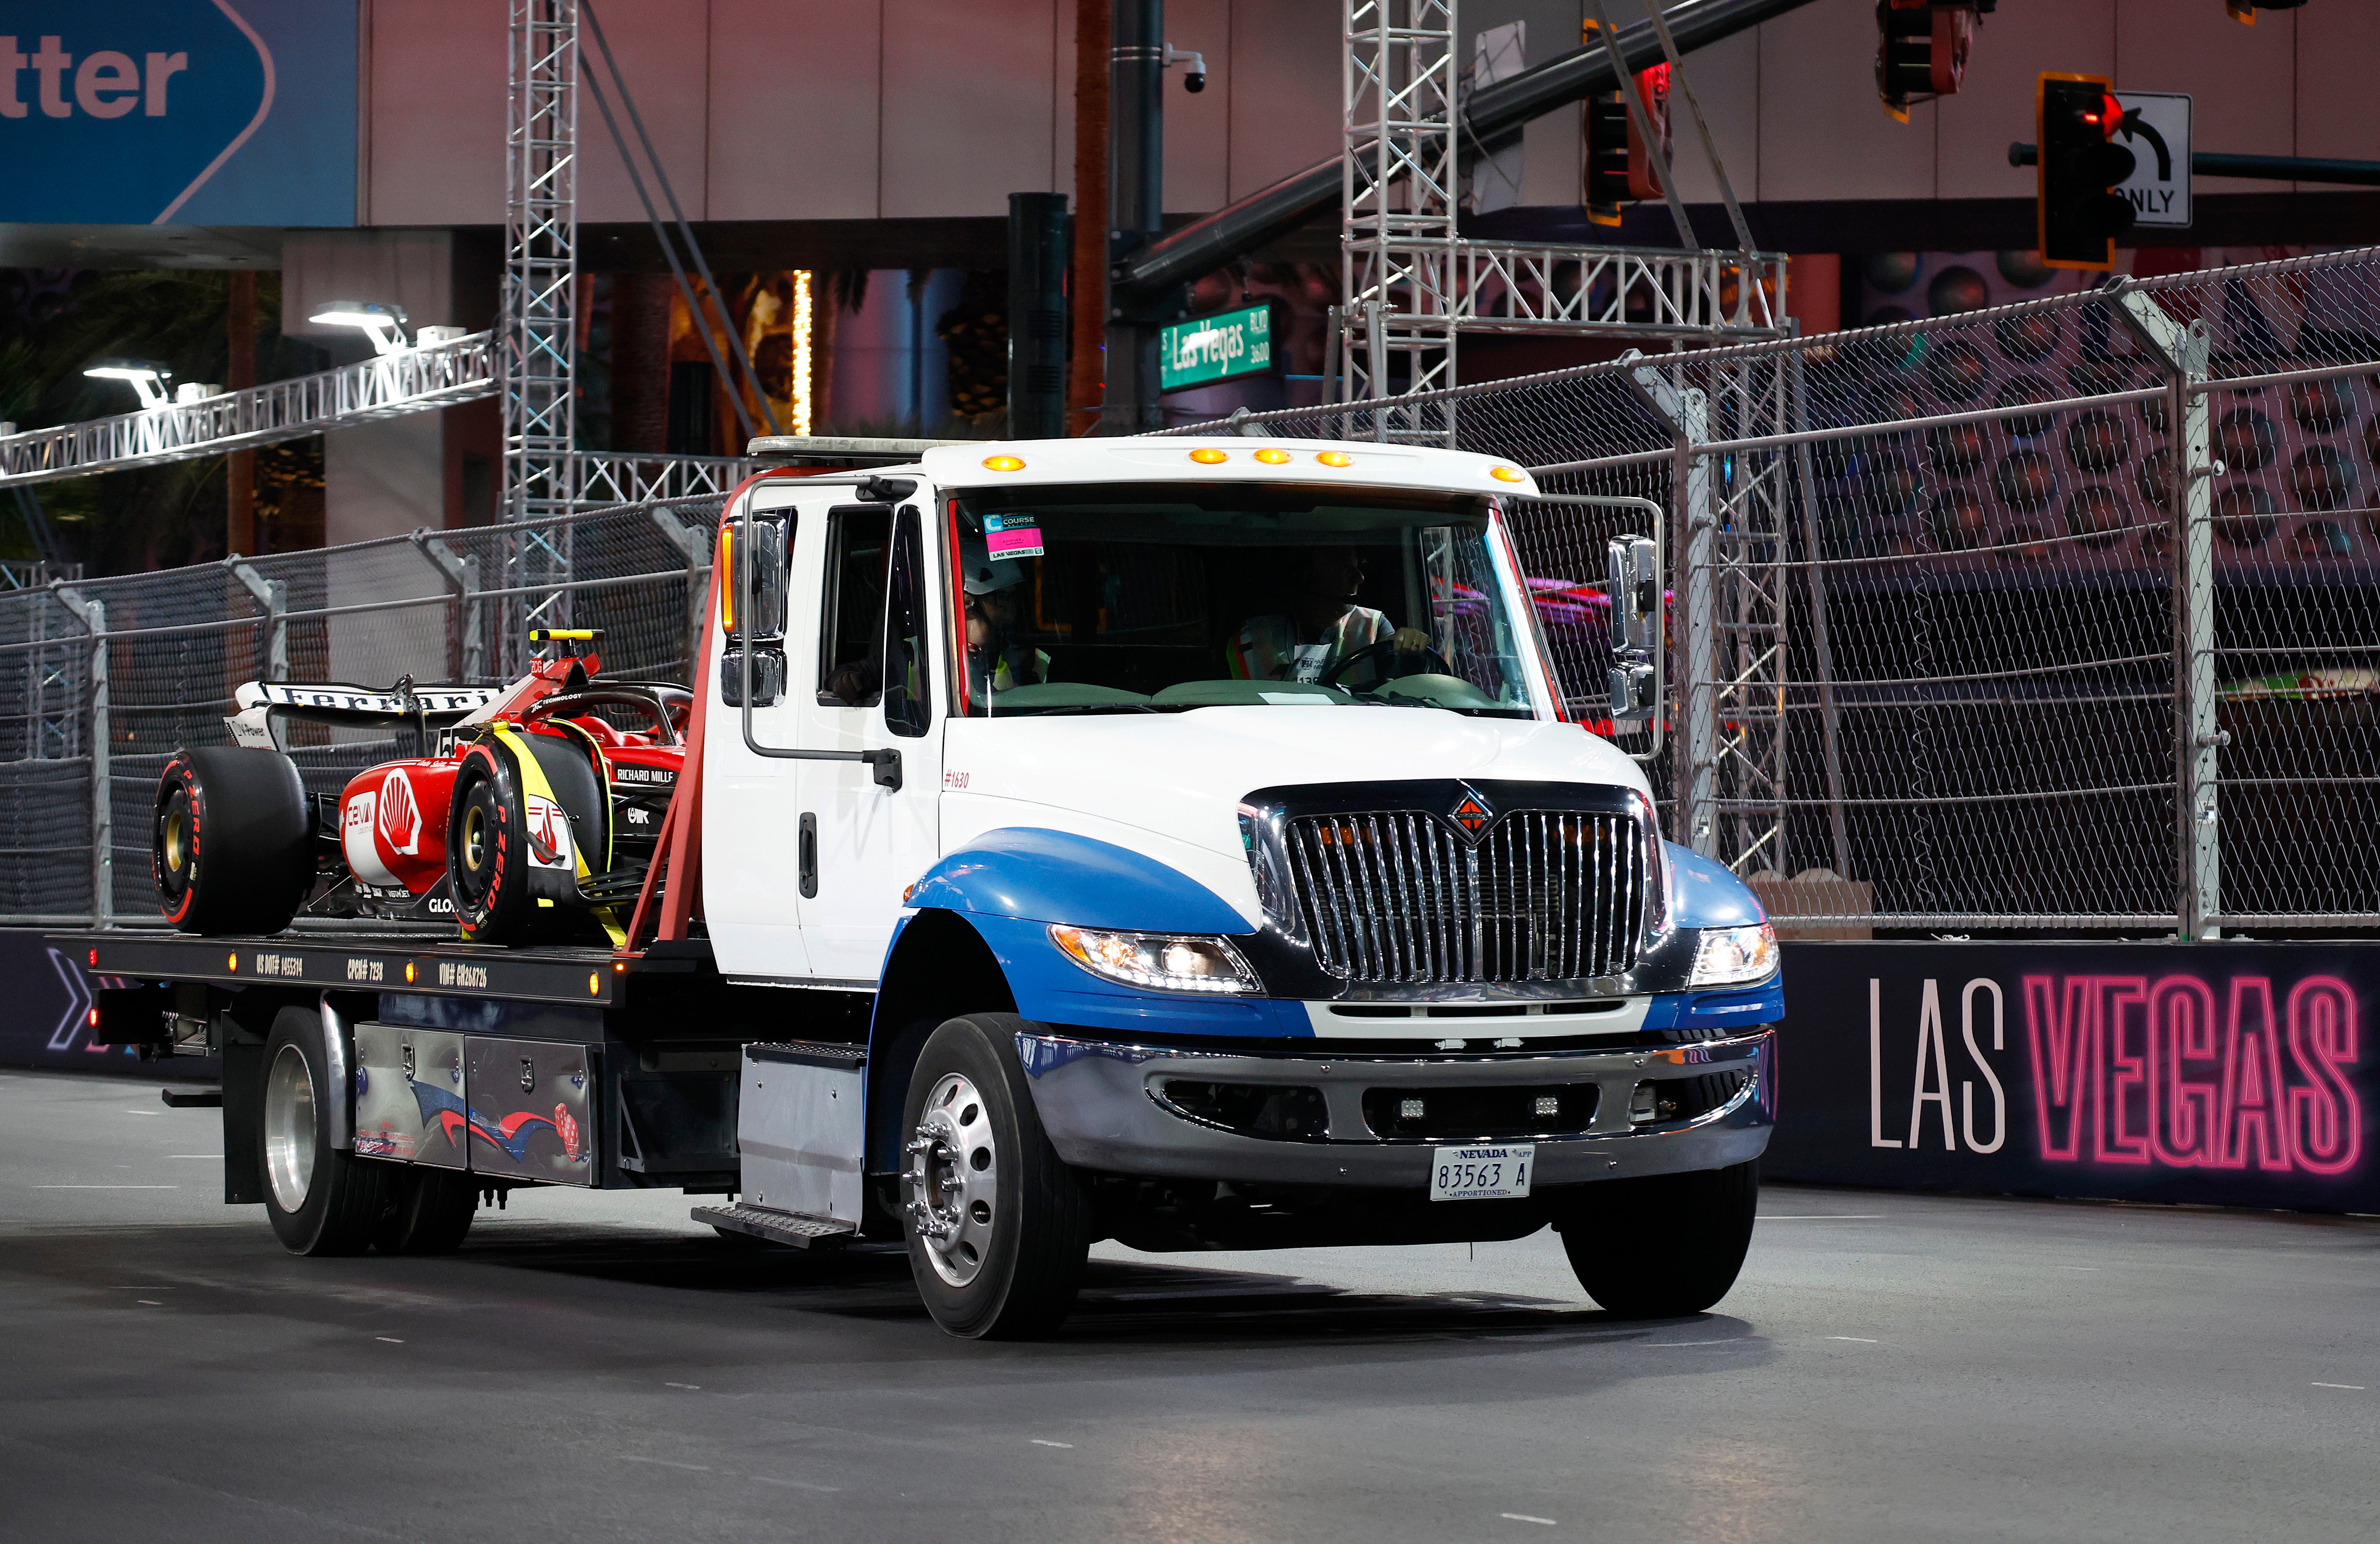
983, 573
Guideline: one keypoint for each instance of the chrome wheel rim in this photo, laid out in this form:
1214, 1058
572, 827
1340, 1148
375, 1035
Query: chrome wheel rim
475, 838
173, 843
953, 1178
289, 1129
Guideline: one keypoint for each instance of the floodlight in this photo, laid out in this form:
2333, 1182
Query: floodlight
383, 325
145, 377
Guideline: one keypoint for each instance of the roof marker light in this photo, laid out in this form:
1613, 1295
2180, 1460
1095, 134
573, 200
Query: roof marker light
1507, 474
1335, 459
1003, 463
1273, 455
1208, 456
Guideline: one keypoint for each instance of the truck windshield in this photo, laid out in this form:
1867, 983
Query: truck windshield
1078, 600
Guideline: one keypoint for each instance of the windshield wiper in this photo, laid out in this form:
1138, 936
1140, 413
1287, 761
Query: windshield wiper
1055, 710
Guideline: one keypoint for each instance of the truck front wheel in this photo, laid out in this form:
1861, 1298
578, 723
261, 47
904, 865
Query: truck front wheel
998, 1226
1665, 1245
319, 1200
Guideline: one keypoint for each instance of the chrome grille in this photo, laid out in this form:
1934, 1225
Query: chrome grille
1398, 896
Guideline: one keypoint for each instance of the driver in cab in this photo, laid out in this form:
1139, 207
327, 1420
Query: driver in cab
1324, 629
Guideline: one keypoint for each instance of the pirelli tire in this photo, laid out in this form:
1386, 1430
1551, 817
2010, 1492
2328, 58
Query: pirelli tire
998, 1226
487, 857
231, 841
1665, 1245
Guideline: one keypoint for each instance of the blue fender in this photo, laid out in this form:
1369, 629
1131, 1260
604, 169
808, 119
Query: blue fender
1012, 883
1703, 893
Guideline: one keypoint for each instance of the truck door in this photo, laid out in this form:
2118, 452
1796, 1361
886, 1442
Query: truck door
877, 688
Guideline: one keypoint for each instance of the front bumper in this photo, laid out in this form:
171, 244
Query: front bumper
1099, 1104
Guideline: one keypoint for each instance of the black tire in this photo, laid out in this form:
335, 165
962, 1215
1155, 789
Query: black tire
319, 1200
426, 1212
1663, 1246
1013, 1260
487, 863
231, 841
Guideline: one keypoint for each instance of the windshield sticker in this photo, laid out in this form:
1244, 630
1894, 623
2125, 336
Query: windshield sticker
1012, 536
1308, 661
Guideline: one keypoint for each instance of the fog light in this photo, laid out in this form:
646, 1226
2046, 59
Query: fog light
1547, 1105
1409, 1110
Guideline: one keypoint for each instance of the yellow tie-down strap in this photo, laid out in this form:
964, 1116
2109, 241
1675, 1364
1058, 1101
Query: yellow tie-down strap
533, 782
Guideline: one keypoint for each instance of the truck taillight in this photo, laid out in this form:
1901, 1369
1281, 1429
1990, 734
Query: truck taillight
727, 578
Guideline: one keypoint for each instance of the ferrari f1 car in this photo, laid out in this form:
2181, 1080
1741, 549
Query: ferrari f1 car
527, 813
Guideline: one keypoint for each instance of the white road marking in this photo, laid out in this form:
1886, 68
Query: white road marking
695, 1386
150, 1302
389, 1339
666, 1464
798, 1484
2074, 1267
1524, 1517
1045, 1442
2357, 1386
1861, 1340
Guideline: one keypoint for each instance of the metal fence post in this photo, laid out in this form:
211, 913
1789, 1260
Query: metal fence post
2184, 352
274, 596
462, 575
103, 812
1687, 412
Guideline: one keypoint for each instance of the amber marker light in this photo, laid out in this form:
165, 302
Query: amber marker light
1273, 457
594, 984
233, 965
408, 973
1507, 474
1003, 463
1208, 456
1335, 459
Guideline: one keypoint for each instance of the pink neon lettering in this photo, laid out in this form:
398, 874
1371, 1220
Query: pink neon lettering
2117, 1138
2060, 1027
2252, 1080
2324, 1125
2184, 1026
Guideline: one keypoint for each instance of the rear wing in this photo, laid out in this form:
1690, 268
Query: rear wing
261, 703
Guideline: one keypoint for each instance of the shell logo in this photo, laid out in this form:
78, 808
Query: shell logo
400, 814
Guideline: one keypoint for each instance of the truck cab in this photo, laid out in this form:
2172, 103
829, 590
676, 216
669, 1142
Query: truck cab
1198, 821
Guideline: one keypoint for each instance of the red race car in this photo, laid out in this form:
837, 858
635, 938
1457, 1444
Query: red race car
531, 816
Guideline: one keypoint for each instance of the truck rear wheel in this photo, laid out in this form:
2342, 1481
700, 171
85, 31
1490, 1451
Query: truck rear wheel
426, 1212
998, 1226
319, 1200
1665, 1245
232, 841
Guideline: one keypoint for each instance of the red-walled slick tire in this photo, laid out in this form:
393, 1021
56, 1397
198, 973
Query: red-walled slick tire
232, 842
487, 858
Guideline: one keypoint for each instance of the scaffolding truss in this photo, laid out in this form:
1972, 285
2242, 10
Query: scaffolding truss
411, 381
540, 310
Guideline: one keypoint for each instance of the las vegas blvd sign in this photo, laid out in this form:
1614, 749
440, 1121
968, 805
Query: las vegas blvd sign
1211, 348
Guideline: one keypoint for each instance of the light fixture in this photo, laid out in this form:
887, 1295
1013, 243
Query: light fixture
1208, 456
144, 377
1506, 474
1335, 459
803, 343
1272, 456
383, 325
1003, 463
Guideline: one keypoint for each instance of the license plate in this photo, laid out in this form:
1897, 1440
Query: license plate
1480, 1173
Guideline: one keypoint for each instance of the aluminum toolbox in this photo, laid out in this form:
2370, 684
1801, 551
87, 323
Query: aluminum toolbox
532, 1110
800, 1129
410, 1095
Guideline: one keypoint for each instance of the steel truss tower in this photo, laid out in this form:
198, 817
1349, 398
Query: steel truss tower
540, 313
1397, 296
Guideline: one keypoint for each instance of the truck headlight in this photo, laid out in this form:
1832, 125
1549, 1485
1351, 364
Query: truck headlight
1166, 962
1734, 957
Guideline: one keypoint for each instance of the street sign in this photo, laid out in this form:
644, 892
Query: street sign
2156, 128
1210, 349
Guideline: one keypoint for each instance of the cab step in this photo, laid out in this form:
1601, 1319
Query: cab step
780, 1227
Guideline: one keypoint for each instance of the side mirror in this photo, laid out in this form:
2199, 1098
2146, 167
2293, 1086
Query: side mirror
754, 569
1632, 567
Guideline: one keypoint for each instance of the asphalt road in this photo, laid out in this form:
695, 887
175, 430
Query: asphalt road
594, 1367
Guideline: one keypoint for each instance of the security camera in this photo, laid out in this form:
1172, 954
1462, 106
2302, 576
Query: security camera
1193, 79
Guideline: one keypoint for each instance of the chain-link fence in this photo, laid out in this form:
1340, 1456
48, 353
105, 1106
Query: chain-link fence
2058, 616
2061, 615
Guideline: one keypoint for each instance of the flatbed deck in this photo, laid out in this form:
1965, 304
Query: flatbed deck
374, 961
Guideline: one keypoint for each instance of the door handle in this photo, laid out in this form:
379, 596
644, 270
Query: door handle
808, 861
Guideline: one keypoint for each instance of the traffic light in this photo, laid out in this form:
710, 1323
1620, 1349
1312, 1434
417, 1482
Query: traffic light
2080, 217
1618, 170
1922, 49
